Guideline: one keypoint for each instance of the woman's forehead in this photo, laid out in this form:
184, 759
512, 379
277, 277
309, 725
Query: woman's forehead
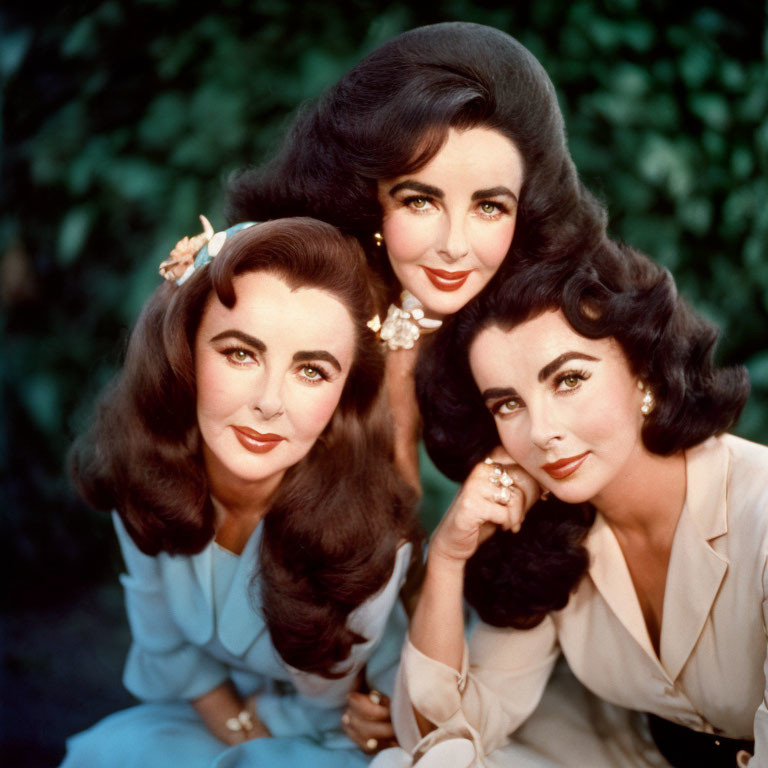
267, 306
534, 342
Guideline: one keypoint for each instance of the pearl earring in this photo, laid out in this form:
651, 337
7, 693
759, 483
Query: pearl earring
647, 405
378, 238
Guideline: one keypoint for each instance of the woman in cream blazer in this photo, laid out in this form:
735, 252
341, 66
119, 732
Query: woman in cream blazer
644, 560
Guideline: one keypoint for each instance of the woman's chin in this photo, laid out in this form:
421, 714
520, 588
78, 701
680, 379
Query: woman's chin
439, 304
571, 495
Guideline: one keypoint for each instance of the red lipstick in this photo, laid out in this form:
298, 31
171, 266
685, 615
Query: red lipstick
447, 281
256, 442
561, 469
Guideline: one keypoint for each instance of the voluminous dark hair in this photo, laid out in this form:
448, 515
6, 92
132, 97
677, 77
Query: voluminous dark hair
333, 526
618, 292
391, 114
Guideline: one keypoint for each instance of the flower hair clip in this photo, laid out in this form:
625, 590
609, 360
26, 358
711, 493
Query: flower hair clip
191, 253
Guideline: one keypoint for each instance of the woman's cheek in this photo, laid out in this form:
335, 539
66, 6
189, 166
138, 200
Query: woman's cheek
216, 388
407, 237
493, 244
512, 442
316, 412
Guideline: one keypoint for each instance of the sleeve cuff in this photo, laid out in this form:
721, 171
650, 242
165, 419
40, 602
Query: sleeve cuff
434, 688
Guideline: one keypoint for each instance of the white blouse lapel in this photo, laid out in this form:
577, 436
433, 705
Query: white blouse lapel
696, 571
608, 570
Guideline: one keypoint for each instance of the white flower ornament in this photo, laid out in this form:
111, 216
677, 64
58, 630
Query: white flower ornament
404, 324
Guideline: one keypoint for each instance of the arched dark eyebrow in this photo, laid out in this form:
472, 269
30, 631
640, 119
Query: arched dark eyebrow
252, 341
298, 357
495, 393
317, 354
494, 192
428, 189
417, 186
550, 368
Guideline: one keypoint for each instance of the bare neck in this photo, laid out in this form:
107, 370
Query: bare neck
404, 409
648, 497
239, 505
643, 508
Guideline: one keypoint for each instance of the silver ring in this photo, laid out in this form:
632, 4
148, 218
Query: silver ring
496, 473
500, 476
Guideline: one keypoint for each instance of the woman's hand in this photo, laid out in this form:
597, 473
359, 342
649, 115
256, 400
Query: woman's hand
228, 717
367, 721
497, 493
259, 730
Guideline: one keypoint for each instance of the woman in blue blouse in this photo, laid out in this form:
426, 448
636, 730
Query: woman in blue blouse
246, 450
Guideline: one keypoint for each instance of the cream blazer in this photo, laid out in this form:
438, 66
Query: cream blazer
711, 674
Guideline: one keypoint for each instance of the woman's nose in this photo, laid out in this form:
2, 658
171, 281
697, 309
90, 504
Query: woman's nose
268, 399
455, 243
543, 431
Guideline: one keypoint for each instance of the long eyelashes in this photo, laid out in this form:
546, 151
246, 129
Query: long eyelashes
496, 407
411, 202
422, 203
310, 373
564, 383
239, 356
313, 374
499, 209
570, 381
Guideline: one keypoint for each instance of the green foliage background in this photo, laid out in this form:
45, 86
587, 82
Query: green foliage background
121, 120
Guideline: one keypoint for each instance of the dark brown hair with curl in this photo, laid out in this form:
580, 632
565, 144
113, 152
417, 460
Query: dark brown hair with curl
339, 515
618, 292
391, 114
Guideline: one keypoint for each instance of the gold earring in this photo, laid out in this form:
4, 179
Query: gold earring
379, 239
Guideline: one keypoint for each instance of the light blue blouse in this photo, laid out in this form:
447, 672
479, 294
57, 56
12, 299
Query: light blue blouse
196, 622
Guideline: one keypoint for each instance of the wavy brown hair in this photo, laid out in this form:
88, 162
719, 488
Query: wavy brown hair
333, 526
391, 114
515, 580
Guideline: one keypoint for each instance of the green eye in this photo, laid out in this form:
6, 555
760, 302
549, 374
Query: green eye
488, 208
239, 356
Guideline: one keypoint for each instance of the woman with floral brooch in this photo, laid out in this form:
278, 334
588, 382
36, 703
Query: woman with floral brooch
647, 565
444, 153
266, 531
